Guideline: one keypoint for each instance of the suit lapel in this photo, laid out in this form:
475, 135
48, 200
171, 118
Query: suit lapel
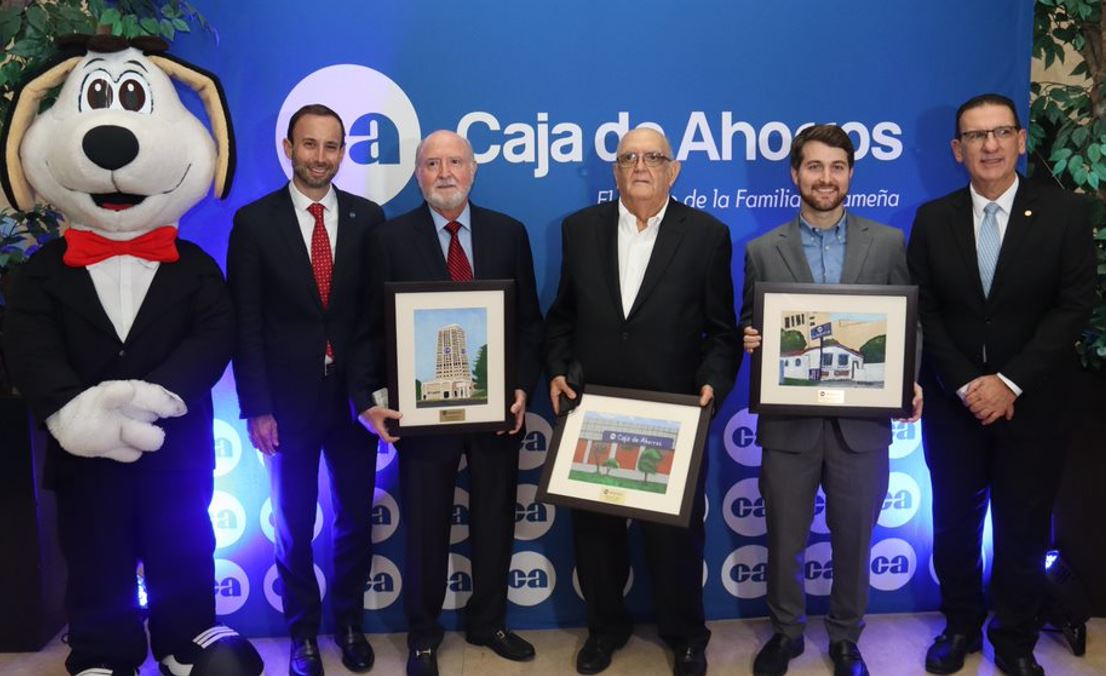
790, 248
857, 243
74, 288
1018, 228
171, 282
962, 227
286, 229
607, 245
669, 236
431, 247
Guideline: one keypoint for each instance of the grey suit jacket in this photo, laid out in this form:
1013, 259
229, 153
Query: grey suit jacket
874, 254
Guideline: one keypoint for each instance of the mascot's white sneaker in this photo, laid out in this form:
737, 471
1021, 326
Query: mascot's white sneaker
107, 671
218, 651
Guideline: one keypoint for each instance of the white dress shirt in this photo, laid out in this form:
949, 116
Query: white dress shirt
634, 249
121, 284
307, 221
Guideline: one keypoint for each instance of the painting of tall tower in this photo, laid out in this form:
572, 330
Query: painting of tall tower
452, 374
451, 348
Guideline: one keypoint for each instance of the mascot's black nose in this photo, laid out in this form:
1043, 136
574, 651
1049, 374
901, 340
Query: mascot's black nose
110, 147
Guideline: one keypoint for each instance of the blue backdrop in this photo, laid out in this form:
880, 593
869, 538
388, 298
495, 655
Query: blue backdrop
542, 91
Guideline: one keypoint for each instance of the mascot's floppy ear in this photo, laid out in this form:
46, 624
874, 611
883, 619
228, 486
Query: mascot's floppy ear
211, 93
21, 113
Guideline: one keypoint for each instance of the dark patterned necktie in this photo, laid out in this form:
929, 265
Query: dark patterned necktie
456, 261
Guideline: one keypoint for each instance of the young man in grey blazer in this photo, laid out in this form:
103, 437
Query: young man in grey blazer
847, 456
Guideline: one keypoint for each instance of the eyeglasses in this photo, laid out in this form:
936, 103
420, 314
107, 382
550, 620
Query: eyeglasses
978, 136
651, 159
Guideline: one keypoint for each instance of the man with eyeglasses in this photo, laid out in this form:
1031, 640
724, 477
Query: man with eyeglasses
450, 238
848, 457
1005, 270
645, 301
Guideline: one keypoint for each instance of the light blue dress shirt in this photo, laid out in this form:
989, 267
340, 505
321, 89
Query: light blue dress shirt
825, 250
464, 234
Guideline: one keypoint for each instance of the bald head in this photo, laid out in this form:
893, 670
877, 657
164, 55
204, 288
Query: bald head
445, 168
645, 135
644, 171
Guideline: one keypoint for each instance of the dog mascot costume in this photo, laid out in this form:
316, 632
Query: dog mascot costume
115, 335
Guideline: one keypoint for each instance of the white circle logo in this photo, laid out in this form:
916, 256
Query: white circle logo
531, 579
818, 569
905, 438
818, 525
232, 587
743, 509
274, 589
228, 447
382, 128
706, 572
385, 454
740, 438
385, 516
459, 517
901, 503
892, 563
745, 572
268, 521
533, 519
384, 584
625, 590
458, 586
228, 518
531, 452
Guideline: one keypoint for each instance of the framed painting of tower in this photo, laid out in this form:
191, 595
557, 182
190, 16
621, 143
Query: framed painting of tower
628, 453
450, 350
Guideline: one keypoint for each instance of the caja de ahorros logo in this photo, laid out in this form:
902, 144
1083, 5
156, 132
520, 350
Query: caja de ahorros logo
901, 502
458, 586
232, 587
384, 584
744, 573
531, 579
532, 450
459, 516
743, 509
893, 562
228, 518
533, 519
228, 447
385, 515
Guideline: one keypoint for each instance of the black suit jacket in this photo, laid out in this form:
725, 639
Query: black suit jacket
1040, 300
59, 342
283, 328
407, 249
681, 332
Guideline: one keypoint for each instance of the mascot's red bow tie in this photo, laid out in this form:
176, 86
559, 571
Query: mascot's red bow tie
87, 248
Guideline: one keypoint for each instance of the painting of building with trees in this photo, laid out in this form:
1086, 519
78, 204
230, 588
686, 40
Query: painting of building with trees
839, 349
627, 452
446, 374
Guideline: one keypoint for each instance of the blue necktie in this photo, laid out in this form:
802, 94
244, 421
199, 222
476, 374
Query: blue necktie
987, 246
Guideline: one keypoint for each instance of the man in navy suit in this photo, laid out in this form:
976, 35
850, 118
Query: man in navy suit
297, 267
1005, 275
446, 238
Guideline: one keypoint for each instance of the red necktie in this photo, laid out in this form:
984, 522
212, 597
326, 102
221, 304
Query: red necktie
456, 261
322, 263
84, 247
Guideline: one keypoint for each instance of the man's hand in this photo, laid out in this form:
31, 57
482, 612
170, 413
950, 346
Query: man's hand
706, 396
751, 339
558, 386
916, 414
374, 420
989, 399
518, 409
263, 434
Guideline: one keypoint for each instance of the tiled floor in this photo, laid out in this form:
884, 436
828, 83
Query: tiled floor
893, 645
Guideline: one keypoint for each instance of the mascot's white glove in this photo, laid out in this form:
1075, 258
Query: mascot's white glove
113, 420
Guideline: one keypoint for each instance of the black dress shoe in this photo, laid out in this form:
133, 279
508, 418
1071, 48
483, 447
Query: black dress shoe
506, 644
946, 655
1019, 666
847, 660
357, 654
305, 660
422, 662
691, 661
777, 652
595, 656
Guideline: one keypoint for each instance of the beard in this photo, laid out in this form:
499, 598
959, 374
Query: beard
303, 173
819, 202
445, 201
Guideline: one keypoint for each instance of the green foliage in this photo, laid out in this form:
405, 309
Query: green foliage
480, 370
611, 463
418, 390
648, 460
23, 232
875, 350
1067, 129
791, 340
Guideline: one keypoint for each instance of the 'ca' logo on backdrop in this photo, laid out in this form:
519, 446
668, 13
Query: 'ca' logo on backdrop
228, 518
901, 502
382, 127
533, 519
905, 438
384, 584
458, 586
531, 452
385, 516
818, 569
385, 454
232, 587
228, 447
745, 572
893, 562
274, 588
531, 580
740, 438
459, 516
743, 509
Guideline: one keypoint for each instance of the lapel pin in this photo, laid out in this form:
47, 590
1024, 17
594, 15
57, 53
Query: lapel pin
1028, 213
353, 214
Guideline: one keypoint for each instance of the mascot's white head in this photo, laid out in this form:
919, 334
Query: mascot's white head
117, 153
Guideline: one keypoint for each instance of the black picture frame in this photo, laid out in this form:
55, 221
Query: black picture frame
667, 432
851, 383
481, 306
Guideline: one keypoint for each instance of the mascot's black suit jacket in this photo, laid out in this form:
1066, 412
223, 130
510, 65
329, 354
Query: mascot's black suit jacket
283, 330
59, 342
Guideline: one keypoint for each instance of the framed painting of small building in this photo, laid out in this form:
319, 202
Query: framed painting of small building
630, 453
834, 349
450, 348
